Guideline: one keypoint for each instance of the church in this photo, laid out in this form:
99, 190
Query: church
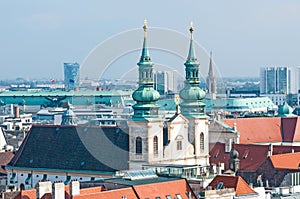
70, 151
181, 140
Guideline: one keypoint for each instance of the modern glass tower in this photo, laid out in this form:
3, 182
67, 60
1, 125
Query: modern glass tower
71, 75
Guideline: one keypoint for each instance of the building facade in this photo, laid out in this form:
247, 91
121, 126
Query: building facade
182, 139
166, 82
275, 80
71, 75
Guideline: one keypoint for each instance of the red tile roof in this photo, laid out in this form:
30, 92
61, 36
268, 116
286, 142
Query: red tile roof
91, 190
256, 130
163, 189
290, 129
236, 182
286, 161
28, 194
251, 156
118, 193
5, 158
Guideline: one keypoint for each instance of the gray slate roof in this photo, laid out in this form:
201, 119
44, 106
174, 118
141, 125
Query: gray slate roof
73, 148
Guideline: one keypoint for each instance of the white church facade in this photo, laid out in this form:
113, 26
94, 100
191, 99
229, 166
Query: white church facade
181, 140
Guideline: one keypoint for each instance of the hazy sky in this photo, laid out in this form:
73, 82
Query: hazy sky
38, 36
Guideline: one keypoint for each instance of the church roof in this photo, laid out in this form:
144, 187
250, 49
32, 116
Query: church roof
257, 130
73, 148
266, 130
290, 127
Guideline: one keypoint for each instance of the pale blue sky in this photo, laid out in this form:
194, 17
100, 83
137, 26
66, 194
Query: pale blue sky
38, 36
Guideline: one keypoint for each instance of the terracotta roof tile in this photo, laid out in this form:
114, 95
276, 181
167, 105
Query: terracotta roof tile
236, 182
118, 193
5, 158
30, 194
290, 129
91, 190
286, 161
256, 130
251, 155
163, 189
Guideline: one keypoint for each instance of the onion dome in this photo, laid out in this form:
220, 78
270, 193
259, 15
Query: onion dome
285, 110
234, 154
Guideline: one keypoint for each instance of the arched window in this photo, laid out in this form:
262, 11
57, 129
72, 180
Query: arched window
22, 186
138, 145
155, 146
202, 141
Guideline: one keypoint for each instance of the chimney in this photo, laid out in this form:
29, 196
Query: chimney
16, 111
74, 188
43, 187
270, 152
228, 145
234, 126
58, 190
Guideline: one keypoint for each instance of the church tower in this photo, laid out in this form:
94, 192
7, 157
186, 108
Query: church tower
211, 84
145, 127
192, 106
69, 117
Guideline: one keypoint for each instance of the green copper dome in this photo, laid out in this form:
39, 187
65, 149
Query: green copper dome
192, 93
145, 94
285, 110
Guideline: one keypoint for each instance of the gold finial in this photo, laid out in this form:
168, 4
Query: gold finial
191, 29
145, 27
177, 101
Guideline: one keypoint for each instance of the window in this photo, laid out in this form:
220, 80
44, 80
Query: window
27, 180
179, 139
168, 197
138, 145
155, 146
44, 177
179, 145
178, 196
12, 179
202, 141
67, 181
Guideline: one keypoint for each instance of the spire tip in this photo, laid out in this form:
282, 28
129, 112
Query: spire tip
145, 25
191, 29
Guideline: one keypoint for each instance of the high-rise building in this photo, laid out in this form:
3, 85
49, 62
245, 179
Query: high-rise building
275, 80
71, 75
165, 82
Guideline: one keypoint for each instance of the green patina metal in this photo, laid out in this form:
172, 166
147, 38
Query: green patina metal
145, 96
57, 97
285, 111
192, 95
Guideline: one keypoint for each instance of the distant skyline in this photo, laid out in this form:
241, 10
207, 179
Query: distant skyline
37, 37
